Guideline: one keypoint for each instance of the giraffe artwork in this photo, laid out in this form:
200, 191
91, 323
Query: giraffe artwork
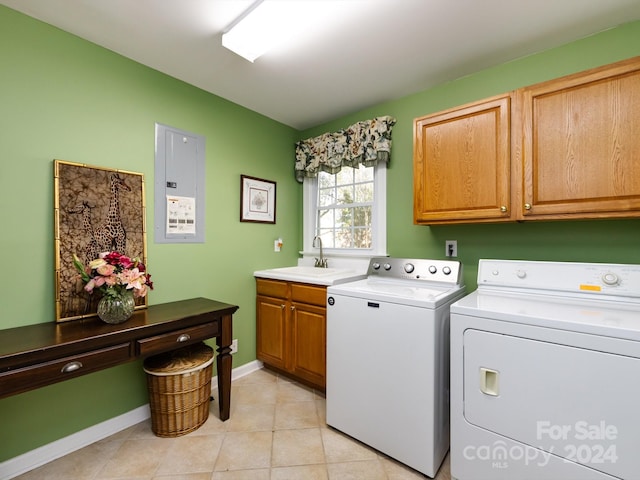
96, 210
111, 235
92, 250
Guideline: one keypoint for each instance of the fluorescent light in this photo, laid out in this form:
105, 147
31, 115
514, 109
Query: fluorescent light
265, 25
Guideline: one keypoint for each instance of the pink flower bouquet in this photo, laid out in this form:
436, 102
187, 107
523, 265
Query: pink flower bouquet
113, 273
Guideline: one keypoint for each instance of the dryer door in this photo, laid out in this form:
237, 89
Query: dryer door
575, 403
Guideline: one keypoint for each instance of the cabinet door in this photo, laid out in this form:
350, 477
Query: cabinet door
272, 339
581, 147
461, 164
309, 330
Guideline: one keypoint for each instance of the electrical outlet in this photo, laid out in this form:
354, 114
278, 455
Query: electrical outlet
451, 248
234, 346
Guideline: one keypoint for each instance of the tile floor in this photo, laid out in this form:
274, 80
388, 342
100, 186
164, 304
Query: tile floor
277, 431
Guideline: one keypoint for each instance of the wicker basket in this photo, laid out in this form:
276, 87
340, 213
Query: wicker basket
179, 385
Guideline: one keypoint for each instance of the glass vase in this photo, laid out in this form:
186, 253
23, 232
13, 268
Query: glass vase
117, 308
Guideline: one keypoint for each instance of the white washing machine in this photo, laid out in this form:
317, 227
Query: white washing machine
545, 373
388, 358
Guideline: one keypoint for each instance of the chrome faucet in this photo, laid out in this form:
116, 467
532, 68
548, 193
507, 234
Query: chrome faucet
320, 262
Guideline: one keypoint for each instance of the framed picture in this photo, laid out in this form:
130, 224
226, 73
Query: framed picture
96, 210
257, 200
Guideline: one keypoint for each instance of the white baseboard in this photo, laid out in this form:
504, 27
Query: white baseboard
35, 458
242, 370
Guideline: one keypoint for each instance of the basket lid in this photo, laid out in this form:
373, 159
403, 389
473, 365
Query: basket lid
181, 360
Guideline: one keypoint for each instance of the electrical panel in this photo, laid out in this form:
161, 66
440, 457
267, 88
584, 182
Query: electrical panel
179, 186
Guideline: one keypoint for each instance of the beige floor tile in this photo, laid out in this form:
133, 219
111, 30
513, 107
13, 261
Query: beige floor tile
258, 393
306, 472
191, 454
257, 474
186, 476
321, 407
398, 471
82, 464
277, 431
261, 376
367, 469
294, 392
340, 448
245, 450
252, 418
136, 458
146, 477
125, 434
142, 430
296, 415
213, 425
297, 447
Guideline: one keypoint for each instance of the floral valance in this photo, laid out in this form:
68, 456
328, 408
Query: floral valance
366, 143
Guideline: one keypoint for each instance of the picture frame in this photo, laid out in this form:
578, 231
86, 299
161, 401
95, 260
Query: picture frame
257, 200
96, 209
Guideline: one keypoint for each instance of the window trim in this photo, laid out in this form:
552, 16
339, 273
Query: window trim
379, 218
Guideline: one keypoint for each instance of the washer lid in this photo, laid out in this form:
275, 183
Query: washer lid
599, 317
405, 292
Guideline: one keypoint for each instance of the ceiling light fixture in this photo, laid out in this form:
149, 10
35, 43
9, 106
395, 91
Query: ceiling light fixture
264, 25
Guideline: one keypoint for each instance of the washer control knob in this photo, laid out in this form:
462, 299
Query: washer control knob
408, 267
433, 269
446, 270
387, 266
610, 278
376, 266
521, 274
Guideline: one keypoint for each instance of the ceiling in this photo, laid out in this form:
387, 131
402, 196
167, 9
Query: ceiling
374, 51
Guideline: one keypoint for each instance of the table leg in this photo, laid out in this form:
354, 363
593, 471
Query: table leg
224, 363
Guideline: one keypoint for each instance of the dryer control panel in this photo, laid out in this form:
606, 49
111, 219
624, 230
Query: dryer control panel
567, 277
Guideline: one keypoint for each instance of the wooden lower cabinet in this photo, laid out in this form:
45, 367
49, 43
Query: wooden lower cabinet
308, 345
273, 338
291, 329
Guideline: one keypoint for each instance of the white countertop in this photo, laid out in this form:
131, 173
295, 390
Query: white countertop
313, 275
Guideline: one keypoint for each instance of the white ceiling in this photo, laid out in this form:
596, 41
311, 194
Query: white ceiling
375, 51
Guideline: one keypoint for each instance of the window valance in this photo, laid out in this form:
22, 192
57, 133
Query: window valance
367, 143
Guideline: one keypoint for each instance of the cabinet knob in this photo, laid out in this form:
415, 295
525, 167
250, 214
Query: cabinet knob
503, 209
282, 306
71, 367
292, 308
527, 206
183, 338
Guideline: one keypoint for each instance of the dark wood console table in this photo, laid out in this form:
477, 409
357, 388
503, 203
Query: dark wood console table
37, 355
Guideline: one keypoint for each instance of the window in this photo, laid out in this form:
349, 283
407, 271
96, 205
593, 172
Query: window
347, 210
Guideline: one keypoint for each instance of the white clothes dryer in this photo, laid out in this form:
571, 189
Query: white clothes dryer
545, 373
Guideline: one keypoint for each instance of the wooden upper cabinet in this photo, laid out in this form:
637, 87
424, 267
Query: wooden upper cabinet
581, 145
461, 169
568, 148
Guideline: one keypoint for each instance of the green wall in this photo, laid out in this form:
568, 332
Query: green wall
583, 241
65, 98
